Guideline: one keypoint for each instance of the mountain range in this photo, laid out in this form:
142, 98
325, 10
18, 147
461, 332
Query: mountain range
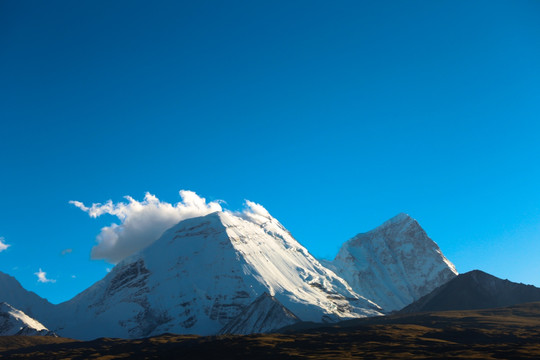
243, 273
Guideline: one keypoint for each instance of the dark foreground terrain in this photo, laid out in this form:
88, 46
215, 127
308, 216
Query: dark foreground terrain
506, 333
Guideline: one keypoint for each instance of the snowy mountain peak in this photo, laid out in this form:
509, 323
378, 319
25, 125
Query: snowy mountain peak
393, 264
202, 273
400, 218
399, 223
16, 322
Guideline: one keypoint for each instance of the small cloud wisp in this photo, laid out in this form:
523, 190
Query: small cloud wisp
42, 277
3, 245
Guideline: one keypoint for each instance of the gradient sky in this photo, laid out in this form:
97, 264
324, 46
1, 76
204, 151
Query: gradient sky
334, 115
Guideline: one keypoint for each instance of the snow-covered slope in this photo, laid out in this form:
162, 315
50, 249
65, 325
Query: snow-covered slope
263, 315
202, 273
394, 264
28, 302
16, 322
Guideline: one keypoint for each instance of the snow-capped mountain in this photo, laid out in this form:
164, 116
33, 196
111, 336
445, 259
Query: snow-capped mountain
394, 264
201, 274
16, 322
28, 302
261, 316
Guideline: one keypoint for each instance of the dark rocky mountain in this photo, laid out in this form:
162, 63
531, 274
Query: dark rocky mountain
475, 290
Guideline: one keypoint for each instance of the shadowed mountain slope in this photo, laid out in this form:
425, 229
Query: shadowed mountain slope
475, 290
12, 292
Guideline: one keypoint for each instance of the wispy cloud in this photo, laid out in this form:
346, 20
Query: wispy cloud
254, 212
67, 251
141, 222
42, 277
3, 245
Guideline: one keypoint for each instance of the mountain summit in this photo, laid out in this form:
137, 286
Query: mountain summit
394, 264
201, 274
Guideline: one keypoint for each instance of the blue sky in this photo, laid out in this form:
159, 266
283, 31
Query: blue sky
335, 116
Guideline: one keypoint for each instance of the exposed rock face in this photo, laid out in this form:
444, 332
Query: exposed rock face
204, 272
16, 322
263, 315
394, 264
475, 290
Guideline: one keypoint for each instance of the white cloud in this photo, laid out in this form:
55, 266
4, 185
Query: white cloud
141, 223
3, 245
255, 213
67, 251
42, 277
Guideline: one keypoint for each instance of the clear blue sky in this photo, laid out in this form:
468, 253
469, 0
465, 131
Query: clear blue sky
334, 115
